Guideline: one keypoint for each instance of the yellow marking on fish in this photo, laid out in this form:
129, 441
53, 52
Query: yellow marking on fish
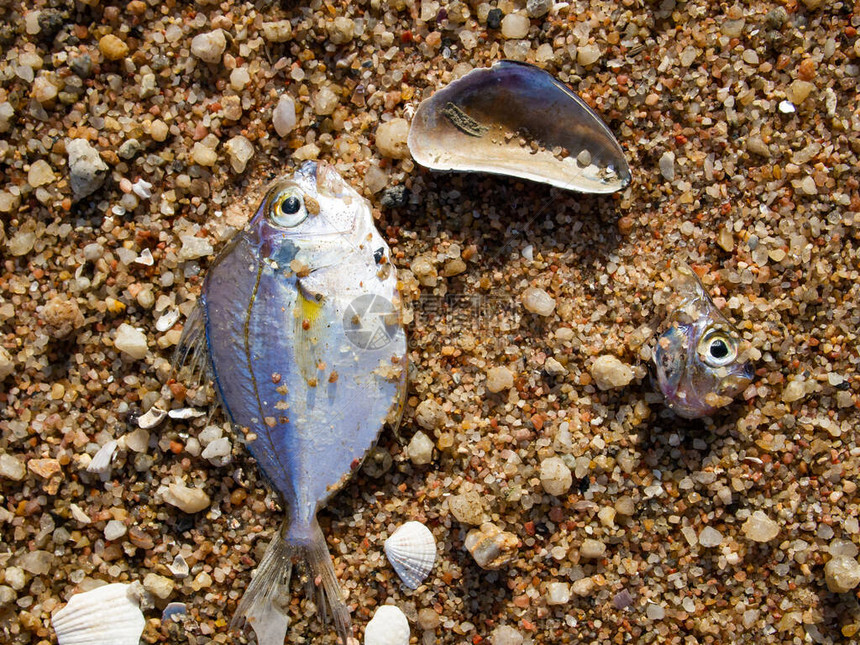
308, 312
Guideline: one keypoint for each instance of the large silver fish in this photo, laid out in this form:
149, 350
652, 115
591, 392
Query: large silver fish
298, 322
700, 361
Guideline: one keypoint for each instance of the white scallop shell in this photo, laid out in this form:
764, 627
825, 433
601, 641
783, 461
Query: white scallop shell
108, 615
387, 627
411, 550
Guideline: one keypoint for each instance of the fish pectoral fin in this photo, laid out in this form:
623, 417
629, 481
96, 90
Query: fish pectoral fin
191, 351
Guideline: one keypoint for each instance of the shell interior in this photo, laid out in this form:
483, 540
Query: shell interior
516, 119
411, 550
104, 616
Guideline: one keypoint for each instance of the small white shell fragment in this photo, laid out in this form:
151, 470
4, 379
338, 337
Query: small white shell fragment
387, 627
185, 413
786, 107
79, 515
145, 258
411, 550
102, 459
142, 189
151, 418
108, 615
167, 320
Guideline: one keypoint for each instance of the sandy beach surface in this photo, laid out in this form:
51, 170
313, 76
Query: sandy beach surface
136, 138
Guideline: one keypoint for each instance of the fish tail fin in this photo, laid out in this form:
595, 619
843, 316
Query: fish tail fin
263, 606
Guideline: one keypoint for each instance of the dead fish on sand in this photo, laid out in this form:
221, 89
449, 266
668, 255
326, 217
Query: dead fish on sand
299, 325
700, 361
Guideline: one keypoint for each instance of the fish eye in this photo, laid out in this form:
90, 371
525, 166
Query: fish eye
287, 209
291, 205
718, 349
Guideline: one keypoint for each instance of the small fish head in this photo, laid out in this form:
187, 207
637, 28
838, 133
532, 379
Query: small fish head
700, 360
313, 204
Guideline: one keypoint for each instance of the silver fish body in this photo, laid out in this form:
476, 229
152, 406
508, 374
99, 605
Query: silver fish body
300, 320
700, 360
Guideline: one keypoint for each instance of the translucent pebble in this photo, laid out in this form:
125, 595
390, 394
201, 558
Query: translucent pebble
375, 179
43, 90
137, 440
341, 30
40, 174
194, 247
239, 150
430, 415
842, 574
582, 587
284, 115
710, 537
131, 341
499, 378
209, 46
420, 449
325, 101
798, 91
466, 508
391, 139
794, 391
758, 527
491, 547
555, 476
557, 593
187, 499
218, 451
158, 130
306, 152
592, 549
515, 26
6, 114
278, 31
159, 586
506, 635
655, 611
538, 8
87, 171
667, 165
239, 78
587, 55
114, 530
538, 301
609, 373
11, 467
203, 155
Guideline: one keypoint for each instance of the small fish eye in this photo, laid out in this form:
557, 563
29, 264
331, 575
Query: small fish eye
718, 349
287, 209
291, 205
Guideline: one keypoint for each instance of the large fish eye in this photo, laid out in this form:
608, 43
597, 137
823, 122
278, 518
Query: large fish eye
718, 349
287, 209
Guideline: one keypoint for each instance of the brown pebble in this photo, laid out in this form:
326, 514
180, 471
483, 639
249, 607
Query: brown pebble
112, 48
44, 467
806, 70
